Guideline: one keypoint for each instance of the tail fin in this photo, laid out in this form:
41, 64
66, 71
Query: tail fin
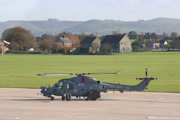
144, 84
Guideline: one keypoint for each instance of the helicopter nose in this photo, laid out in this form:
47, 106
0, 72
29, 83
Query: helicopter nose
49, 90
43, 88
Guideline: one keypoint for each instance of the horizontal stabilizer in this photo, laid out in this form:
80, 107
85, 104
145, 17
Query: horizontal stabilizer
146, 78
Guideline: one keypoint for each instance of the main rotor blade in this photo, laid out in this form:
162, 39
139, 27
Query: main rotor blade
55, 74
110, 72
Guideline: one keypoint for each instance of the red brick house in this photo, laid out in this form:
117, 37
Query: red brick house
66, 42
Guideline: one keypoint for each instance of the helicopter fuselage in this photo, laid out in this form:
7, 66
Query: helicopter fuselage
86, 86
81, 86
76, 86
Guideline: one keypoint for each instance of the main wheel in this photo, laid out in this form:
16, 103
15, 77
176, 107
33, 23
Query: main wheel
68, 96
52, 98
63, 98
93, 95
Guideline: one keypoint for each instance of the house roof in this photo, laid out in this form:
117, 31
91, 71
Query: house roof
88, 40
72, 38
155, 40
162, 41
65, 39
112, 38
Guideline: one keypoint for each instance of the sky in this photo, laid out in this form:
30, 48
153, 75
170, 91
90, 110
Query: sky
83, 10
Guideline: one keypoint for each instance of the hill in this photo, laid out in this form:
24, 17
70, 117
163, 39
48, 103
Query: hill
40, 27
157, 25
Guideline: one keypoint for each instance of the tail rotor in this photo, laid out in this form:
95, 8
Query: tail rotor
146, 79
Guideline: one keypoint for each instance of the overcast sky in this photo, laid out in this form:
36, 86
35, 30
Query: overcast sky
82, 10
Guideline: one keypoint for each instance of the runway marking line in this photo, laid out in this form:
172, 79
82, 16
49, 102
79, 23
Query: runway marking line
166, 118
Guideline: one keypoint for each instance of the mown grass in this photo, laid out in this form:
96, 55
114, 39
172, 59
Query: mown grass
21, 70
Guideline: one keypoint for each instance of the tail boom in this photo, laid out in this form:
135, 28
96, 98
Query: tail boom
139, 87
121, 87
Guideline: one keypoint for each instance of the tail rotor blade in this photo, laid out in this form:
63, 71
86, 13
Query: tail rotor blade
139, 78
146, 72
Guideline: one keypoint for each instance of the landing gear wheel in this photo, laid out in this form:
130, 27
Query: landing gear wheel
93, 95
68, 96
63, 98
52, 98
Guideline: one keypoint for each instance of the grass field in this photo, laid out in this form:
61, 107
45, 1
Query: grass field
21, 70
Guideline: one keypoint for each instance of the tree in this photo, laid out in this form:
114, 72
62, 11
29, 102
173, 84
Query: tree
57, 46
49, 37
176, 42
45, 45
174, 35
47, 41
132, 35
140, 38
19, 36
154, 36
136, 45
14, 46
147, 36
165, 35
32, 44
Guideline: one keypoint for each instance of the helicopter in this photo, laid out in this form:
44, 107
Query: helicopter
88, 87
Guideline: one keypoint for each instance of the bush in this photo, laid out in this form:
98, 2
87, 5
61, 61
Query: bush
83, 50
23, 52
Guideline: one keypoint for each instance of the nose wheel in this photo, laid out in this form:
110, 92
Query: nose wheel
52, 98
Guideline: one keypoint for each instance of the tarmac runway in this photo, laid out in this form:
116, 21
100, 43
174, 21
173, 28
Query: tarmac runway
25, 104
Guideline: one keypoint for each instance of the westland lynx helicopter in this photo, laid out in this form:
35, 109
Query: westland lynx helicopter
86, 86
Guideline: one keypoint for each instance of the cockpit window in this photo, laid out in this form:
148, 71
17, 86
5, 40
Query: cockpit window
60, 85
56, 85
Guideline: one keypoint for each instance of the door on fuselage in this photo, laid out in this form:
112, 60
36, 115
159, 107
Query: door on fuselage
60, 88
68, 87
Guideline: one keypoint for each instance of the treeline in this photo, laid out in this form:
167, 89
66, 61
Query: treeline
23, 40
173, 39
